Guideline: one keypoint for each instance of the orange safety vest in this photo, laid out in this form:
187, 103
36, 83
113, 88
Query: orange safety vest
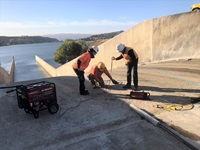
85, 60
97, 73
126, 56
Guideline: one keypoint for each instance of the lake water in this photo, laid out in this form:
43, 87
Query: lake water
26, 67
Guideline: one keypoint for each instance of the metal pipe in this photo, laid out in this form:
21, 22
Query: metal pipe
145, 115
159, 124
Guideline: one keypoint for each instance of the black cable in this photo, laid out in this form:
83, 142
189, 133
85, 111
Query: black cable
91, 98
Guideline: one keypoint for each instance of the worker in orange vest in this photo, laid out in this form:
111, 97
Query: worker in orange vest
96, 72
131, 57
81, 64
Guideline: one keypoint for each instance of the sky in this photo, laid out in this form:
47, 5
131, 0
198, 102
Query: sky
41, 17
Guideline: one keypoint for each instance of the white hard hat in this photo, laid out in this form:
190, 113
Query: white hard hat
95, 48
120, 47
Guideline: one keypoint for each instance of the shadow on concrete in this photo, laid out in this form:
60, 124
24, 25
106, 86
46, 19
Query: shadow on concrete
99, 120
156, 97
157, 89
173, 99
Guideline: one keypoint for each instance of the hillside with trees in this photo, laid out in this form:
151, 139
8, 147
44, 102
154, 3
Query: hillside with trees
14, 40
102, 36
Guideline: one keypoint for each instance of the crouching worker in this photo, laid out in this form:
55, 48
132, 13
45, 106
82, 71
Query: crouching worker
96, 72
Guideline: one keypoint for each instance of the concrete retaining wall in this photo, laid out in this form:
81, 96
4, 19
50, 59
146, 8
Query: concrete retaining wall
176, 37
49, 69
7, 77
165, 38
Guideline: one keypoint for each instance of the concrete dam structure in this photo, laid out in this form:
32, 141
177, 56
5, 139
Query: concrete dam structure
160, 39
108, 118
7, 77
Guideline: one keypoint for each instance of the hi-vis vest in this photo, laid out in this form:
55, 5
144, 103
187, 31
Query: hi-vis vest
97, 73
85, 60
126, 56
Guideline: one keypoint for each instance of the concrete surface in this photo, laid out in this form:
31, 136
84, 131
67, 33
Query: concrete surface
47, 67
7, 77
104, 119
170, 83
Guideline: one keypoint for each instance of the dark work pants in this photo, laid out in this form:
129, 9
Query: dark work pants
81, 78
134, 66
92, 79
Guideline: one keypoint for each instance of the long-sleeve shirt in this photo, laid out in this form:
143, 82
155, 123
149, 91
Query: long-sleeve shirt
97, 73
130, 53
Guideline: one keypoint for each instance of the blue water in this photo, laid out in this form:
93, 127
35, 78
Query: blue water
26, 67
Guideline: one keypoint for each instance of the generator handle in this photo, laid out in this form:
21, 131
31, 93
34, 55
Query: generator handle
6, 87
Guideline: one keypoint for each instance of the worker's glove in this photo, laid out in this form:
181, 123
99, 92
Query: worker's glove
113, 58
114, 81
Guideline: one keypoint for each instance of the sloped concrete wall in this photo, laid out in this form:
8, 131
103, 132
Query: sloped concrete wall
176, 37
138, 37
165, 38
7, 77
12, 70
49, 69
4, 75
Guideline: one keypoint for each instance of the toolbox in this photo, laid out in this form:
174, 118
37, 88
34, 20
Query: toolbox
140, 95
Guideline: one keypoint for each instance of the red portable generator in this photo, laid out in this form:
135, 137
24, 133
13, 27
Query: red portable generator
36, 97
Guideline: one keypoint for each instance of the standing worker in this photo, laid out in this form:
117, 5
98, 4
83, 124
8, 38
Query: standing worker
131, 62
81, 64
96, 72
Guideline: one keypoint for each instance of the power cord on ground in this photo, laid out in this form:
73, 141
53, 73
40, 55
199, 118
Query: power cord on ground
178, 107
89, 99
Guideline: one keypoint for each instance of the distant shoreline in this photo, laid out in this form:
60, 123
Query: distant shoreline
16, 40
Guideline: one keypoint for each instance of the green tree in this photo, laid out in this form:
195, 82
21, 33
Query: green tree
67, 51
83, 45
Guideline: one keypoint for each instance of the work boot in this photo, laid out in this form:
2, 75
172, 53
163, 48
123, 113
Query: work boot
127, 86
84, 92
94, 86
135, 88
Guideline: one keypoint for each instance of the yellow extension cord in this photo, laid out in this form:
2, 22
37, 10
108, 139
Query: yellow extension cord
178, 107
